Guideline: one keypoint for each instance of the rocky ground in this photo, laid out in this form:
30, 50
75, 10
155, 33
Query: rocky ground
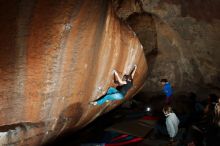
93, 133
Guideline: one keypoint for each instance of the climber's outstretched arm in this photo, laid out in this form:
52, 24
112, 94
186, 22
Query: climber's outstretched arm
121, 82
133, 71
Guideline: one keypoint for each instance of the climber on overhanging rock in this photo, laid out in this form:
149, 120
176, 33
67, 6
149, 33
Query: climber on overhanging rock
118, 93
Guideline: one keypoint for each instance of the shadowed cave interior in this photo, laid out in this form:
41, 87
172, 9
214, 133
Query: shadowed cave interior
59, 56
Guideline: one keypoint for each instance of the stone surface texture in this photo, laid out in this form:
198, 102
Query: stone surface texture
181, 42
55, 57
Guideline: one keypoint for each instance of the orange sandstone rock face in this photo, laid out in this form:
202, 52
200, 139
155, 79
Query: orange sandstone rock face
55, 57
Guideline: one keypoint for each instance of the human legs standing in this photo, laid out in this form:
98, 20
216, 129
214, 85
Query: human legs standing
168, 99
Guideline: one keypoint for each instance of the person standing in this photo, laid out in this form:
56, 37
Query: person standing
168, 126
213, 129
216, 119
172, 122
167, 89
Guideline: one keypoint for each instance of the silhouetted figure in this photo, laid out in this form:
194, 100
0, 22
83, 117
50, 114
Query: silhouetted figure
197, 108
216, 118
213, 132
203, 131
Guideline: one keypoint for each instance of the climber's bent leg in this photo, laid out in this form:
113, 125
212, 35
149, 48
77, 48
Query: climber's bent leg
111, 97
